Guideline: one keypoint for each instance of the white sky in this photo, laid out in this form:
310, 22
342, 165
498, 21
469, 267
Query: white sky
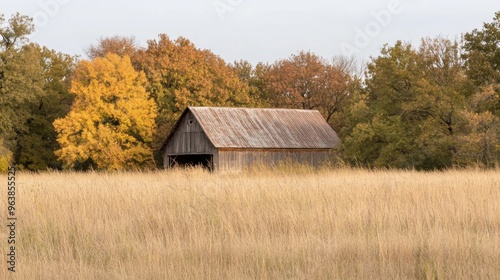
255, 30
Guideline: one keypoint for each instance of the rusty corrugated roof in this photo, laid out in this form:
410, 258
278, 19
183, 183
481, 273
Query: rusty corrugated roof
265, 128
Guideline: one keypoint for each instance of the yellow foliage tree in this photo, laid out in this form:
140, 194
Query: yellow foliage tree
111, 122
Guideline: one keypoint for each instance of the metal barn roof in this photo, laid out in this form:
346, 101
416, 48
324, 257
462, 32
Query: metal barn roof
264, 128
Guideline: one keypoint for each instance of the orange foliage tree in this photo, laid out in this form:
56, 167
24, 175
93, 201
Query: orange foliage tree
307, 81
182, 75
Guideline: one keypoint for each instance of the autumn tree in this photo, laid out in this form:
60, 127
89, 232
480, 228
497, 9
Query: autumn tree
479, 141
111, 121
181, 75
307, 81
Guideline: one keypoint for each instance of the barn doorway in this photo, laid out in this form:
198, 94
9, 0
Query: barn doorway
203, 160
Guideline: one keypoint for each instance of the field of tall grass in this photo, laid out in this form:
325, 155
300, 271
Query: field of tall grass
260, 224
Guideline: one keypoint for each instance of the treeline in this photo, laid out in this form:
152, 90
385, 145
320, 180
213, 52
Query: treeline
432, 106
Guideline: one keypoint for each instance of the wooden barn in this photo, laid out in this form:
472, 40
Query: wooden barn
235, 138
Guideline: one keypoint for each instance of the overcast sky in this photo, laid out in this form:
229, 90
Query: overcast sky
254, 30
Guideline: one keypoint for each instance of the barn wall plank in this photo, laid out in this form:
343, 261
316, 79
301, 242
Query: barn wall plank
237, 159
189, 138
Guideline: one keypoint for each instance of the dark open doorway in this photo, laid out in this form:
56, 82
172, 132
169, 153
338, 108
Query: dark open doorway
203, 160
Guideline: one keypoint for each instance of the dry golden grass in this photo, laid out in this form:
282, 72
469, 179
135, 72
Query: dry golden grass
281, 224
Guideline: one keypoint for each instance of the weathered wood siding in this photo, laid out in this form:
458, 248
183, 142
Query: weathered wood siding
188, 138
237, 159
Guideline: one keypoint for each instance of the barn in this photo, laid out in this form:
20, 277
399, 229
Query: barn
234, 138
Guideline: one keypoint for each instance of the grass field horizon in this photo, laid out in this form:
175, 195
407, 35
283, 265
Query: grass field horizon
290, 223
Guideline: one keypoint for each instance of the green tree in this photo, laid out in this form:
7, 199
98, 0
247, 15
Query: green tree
111, 121
15, 32
443, 94
34, 85
411, 106
35, 148
481, 119
21, 81
482, 53
21, 85
254, 77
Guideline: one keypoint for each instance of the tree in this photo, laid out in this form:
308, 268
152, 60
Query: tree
254, 77
482, 53
14, 34
21, 85
307, 81
121, 46
34, 84
5, 157
35, 148
411, 106
443, 95
111, 121
481, 137
181, 75
479, 143
21, 81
